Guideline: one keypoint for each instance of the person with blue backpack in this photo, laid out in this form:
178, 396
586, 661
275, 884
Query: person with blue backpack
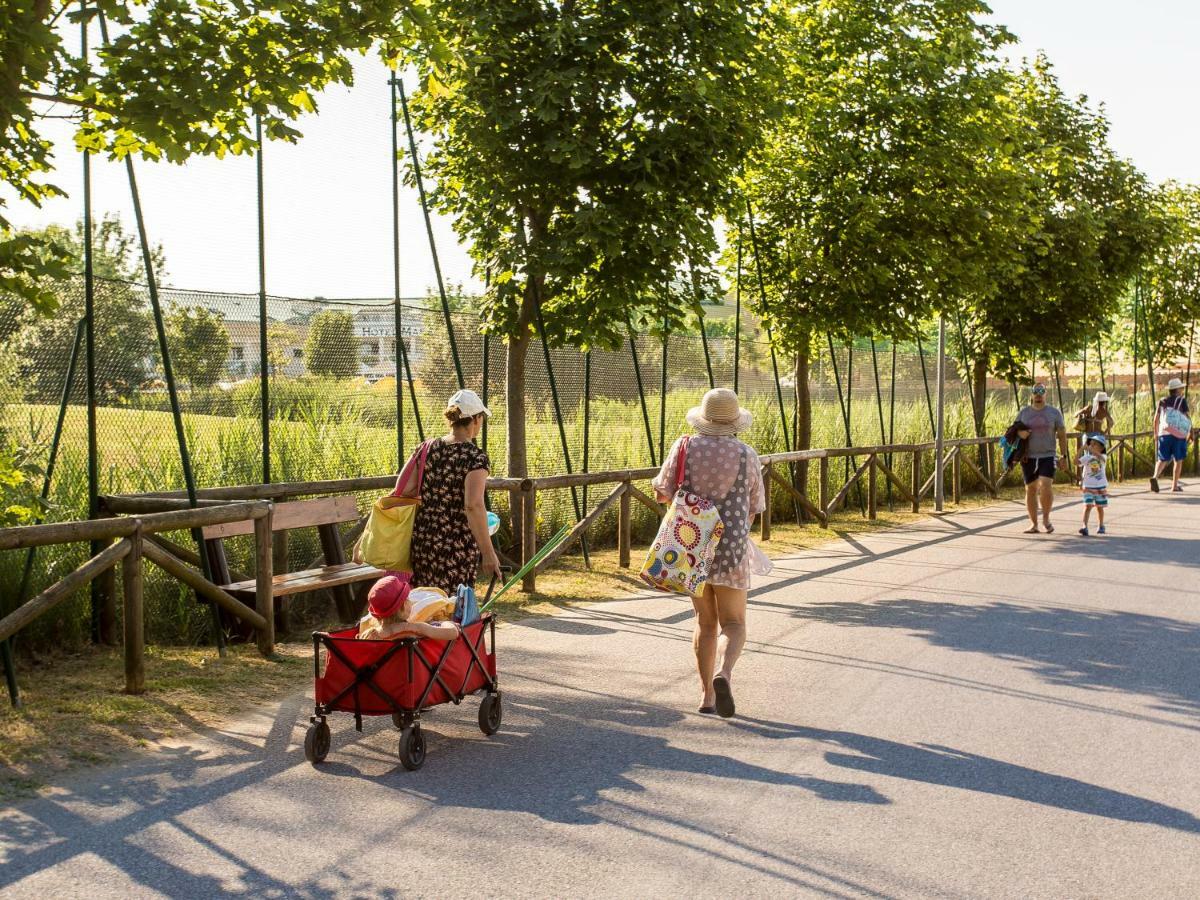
1173, 427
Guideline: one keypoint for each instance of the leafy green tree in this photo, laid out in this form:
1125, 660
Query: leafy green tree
583, 150
177, 79
126, 349
1094, 224
331, 349
885, 191
1170, 281
199, 344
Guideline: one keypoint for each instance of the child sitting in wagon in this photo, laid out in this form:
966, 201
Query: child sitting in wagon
395, 609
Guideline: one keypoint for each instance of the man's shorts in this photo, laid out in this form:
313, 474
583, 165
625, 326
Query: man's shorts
1172, 448
1033, 469
1093, 498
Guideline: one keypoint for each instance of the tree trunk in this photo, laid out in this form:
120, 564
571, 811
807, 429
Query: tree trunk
802, 418
514, 395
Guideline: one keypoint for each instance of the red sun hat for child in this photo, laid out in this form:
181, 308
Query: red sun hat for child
388, 594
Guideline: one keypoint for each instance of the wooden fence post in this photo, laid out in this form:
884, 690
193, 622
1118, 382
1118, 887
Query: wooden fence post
264, 593
764, 521
625, 526
529, 536
916, 481
279, 564
131, 582
1196, 452
956, 478
1121, 461
823, 488
872, 503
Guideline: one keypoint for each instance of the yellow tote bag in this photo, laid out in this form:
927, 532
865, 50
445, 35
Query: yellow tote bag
386, 543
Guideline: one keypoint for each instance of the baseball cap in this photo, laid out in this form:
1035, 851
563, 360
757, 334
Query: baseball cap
468, 403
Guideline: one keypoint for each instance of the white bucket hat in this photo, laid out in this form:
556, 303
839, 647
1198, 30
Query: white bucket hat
719, 413
1100, 397
1175, 384
468, 404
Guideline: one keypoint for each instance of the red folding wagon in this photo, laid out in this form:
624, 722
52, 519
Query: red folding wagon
401, 678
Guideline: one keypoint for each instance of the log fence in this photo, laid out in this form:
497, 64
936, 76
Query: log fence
133, 529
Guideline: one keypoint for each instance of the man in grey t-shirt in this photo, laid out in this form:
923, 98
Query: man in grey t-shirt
1046, 428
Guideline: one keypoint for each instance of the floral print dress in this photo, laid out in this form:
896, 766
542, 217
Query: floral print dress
444, 552
726, 472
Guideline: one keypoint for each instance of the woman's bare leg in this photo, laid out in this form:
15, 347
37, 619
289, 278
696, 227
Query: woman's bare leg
731, 613
704, 641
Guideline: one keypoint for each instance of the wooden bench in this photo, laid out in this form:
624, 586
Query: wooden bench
337, 575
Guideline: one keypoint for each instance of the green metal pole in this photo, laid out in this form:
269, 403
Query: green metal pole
637, 373
89, 317
962, 345
486, 354
1057, 382
264, 365
1100, 363
562, 430
1187, 379
1136, 290
397, 306
892, 414
437, 266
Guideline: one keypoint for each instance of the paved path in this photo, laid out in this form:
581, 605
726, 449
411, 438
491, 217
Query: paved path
949, 710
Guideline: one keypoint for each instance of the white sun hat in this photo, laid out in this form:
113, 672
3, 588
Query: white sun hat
1100, 397
719, 413
1175, 384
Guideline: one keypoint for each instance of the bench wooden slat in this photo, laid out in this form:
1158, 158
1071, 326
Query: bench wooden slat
311, 579
294, 514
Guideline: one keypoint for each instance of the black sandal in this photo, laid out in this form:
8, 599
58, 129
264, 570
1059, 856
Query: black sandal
725, 707
707, 710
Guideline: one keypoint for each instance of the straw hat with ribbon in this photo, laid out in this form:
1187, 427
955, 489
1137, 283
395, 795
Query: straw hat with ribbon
1175, 384
719, 413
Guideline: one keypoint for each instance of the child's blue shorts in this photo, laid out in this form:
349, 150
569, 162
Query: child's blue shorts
1092, 498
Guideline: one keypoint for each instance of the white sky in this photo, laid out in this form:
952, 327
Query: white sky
329, 198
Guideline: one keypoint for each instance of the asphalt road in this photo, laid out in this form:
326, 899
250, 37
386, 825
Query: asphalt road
953, 709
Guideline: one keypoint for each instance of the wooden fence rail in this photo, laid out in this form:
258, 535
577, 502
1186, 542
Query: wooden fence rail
135, 540
135, 523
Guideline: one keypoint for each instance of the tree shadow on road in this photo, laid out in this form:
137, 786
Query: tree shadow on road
1093, 650
1159, 550
935, 764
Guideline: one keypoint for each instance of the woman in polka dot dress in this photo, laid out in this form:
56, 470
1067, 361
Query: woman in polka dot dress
722, 469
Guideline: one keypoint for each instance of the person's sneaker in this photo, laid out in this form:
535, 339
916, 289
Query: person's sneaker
1101, 530
1154, 485
1083, 531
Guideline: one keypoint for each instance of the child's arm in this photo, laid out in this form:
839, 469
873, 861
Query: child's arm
442, 631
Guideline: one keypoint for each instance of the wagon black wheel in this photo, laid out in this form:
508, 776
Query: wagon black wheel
398, 719
490, 714
316, 742
412, 748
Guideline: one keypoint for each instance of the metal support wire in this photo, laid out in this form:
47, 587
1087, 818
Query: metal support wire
737, 312
587, 419
762, 292
562, 430
437, 266
185, 458
844, 401
1187, 379
1100, 363
484, 429
662, 397
1057, 383
879, 403
264, 365
637, 372
397, 306
6, 647
962, 347
891, 415
1083, 386
89, 317
925, 379
703, 331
